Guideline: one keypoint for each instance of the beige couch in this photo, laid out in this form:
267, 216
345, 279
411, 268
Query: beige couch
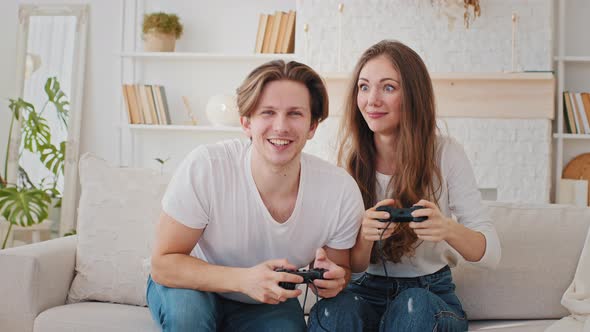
66, 284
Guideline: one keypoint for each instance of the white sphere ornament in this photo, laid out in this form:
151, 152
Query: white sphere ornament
222, 110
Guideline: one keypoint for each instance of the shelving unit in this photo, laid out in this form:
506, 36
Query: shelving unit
573, 73
199, 75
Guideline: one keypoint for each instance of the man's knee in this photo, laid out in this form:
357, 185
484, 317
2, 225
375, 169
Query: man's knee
188, 310
346, 311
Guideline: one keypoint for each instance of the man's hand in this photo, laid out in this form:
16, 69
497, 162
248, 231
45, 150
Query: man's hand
261, 282
334, 279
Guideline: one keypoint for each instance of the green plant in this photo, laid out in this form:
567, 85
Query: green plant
26, 203
162, 22
162, 162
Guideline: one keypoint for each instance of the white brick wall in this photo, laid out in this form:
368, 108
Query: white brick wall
512, 156
485, 47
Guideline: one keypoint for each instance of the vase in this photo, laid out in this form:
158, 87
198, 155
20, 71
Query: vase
222, 110
159, 42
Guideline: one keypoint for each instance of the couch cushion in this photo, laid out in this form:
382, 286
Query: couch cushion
95, 316
117, 213
510, 325
541, 245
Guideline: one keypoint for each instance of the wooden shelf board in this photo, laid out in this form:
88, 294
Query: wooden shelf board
528, 95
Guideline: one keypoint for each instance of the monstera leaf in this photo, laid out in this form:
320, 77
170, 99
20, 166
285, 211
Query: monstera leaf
19, 106
53, 158
36, 132
24, 207
58, 98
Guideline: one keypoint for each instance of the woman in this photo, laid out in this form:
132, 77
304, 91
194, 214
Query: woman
391, 147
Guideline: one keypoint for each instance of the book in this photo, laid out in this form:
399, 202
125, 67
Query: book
571, 111
574, 192
288, 45
282, 32
274, 36
150, 102
577, 117
267, 33
131, 102
586, 102
165, 103
582, 113
160, 104
568, 110
262, 22
127, 100
143, 104
570, 127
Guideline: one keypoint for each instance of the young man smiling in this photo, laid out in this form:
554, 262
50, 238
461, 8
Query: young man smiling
236, 211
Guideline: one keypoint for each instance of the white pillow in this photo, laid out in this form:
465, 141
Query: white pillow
117, 213
541, 246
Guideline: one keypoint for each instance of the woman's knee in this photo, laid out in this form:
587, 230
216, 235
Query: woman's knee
420, 310
346, 303
414, 299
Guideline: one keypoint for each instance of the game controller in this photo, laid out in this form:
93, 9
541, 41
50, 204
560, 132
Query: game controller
401, 214
308, 276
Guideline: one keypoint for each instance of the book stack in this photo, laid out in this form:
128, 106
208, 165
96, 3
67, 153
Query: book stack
146, 104
577, 112
276, 33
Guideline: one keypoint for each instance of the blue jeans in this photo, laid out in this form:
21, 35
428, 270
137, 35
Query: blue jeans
178, 310
376, 303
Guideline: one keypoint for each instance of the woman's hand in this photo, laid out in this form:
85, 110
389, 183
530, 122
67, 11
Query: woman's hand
371, 228
434, 229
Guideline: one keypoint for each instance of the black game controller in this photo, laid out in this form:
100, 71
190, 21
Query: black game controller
401, 214
308, 276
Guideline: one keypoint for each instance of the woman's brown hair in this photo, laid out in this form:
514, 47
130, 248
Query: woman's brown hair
416, 174
250, 90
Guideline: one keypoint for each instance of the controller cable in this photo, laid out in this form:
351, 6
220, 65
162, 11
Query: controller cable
317, 300
382, 258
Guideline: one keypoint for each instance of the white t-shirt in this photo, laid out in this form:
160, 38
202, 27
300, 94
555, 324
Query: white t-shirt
213, 188
459, 197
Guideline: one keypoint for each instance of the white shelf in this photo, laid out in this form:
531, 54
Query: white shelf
206, 56
572, 58
184, 128
571, 136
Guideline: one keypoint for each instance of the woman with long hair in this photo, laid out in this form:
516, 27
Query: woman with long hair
392, 147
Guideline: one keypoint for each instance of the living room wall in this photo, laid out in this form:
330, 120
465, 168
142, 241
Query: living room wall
101, 108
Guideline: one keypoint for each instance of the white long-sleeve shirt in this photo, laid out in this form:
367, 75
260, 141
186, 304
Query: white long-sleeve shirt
459, 197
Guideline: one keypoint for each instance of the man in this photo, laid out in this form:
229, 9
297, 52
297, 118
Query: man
236, 211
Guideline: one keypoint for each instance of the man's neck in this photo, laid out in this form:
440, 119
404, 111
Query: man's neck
272, 181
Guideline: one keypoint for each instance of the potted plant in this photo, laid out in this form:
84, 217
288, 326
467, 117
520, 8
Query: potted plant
25, 203
160, 31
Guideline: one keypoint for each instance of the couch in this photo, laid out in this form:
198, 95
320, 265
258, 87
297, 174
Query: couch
95, 281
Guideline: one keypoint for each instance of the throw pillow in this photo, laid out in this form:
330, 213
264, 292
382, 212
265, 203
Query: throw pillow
117, 213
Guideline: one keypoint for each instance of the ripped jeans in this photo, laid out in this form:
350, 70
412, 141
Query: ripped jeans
426, 303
